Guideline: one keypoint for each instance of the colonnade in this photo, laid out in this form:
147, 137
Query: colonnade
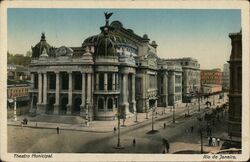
86, 92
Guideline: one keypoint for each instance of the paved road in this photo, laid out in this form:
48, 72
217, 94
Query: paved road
46, 140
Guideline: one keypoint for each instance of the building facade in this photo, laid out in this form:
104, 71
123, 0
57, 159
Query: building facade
113, 72
19, 90
17, 72
190, 77
211, 81
226, 77
235, 91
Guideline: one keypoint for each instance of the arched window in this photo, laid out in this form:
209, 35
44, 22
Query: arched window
35, 81
101, 81
65, 81
110, 103
100, 104
52, 81
110, 81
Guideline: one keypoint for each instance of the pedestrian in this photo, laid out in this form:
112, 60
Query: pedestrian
218, 142
210, 141
134, 142
214, 141
167, 146
164, 125
57, 130
36, 124
114, 129
191, 129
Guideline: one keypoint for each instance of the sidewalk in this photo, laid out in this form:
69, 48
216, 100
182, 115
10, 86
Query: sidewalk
105, 126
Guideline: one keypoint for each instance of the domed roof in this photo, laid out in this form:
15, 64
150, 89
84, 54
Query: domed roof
105, 47
116, 24
39, 47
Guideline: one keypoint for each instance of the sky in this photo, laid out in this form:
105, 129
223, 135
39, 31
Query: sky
200, 34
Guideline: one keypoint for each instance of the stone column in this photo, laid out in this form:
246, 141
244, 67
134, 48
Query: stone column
97, 81
56, 105
69, 94
125, 94
89, 88
165, 90
105, 81
172, 82
45, 88
82, 112
40, 84
113, 81
133, 93
116, 81
32, 80
44, 104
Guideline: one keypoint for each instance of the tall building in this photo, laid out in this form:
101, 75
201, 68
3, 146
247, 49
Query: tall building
190, 76
19, 90
226, 77
235, 91
211, 81
114, 69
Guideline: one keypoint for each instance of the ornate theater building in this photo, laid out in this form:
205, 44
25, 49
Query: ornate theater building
114, 70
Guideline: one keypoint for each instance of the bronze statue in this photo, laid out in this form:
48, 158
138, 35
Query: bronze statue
107, 16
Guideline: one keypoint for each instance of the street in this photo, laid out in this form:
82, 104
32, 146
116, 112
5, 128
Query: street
71, 141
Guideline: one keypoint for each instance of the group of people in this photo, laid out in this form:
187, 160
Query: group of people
212, 141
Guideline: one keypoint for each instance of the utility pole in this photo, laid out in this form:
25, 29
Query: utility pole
153, 110
87, 114
174, 112
118, 140
15, 116
201, 141
199, 102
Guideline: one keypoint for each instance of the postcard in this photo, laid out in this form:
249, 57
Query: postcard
124, 80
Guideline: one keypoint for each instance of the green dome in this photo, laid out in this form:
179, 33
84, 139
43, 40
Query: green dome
105, 47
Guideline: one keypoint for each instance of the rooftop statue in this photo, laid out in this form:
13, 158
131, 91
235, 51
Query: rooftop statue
107, 16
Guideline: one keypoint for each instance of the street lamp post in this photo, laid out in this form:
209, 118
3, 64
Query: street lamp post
153, 110
136, 117
188, 109
201, 135
15, 116
199, 102
87, 114
174, 112
118, 137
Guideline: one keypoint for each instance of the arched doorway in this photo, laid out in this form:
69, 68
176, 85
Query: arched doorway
101, 104
51, 105
110, 104
77, 104
34, 101
64, 103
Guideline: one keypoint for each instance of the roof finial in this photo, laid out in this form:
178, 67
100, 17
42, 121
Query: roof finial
43, 36
107, 16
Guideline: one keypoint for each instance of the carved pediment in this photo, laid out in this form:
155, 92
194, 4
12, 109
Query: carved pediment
64, 51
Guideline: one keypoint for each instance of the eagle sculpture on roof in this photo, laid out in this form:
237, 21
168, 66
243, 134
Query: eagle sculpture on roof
107, 16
